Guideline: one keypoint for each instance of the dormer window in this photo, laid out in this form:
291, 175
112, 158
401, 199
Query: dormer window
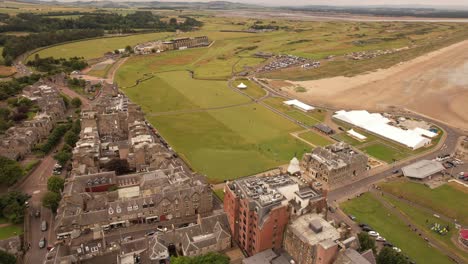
110, 211
118, 209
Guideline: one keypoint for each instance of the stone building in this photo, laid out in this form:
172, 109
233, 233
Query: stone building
19, 140
311, 240
163, 196
182, 43
334, 165
259, 208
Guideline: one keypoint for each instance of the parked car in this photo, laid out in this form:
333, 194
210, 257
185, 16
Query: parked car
397, 249
42, 242
367, 229
388, 244
127, 238
374, 234
380, 239
150, 233
352, 217
396, 171
37, 213
361, 225
44, 226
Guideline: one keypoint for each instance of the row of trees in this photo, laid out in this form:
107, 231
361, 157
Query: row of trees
70, 138
12, 206
10, 171
107, 21
387, 255
52, 65
17, 45
51, 199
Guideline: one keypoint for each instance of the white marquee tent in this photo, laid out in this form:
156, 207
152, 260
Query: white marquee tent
377, 124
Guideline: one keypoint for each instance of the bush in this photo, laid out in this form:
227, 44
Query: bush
7, 258
10, 171
51, 200
76, 102
12, 206
55, 184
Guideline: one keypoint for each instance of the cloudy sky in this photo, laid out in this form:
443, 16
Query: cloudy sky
345, 2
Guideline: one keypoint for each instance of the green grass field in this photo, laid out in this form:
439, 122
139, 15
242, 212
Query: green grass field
226, 143
10, 230
233, 51
253, 89
232, 142
370, 211
95, 48
170, 91
316, 139
425, 220
309, 119
384, 152
447, 200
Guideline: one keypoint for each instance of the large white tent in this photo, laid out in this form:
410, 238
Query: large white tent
299, 105
378, 124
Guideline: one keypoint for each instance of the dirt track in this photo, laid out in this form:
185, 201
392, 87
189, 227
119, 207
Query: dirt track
435, 84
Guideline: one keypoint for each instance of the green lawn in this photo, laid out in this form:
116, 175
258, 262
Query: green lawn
316, 139
425, 220
176, 90
232, 142
11, 230
445, 199
370, 211
95, 48
220, 194
384, 152
309, 119
253, 89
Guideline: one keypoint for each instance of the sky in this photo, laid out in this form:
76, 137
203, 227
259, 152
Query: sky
345, 2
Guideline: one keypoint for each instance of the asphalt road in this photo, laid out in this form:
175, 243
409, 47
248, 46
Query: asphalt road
36, 186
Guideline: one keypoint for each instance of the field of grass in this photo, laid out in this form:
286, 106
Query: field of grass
10, 230
253, 89
384, 152
242, 138
232, 142
316, 139
425, 220
233, 51
370, 211
95, 48
447, 200
309, 119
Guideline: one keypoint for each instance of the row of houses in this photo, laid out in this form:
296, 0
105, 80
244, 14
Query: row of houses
18, 141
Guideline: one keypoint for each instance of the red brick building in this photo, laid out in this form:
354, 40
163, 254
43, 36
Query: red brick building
259, 209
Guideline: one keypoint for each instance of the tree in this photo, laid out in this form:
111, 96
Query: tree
62, 157
51, 200
76, 102
366, 242
10, 171
120, 166
212, 257
12, 206
389, 256
55, 184
71, 137
7, 258
128, 49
